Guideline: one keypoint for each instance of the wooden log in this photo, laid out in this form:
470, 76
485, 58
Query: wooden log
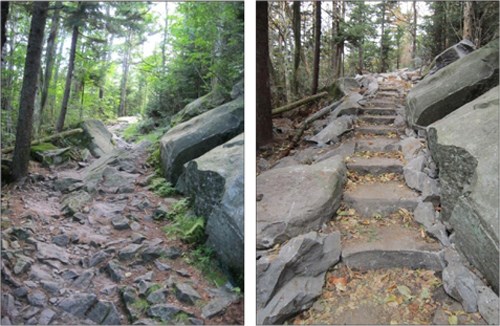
321, 113
48, 138
298, 103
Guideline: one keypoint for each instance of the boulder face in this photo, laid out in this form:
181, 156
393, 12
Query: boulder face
451, 54
464, 145
289, 281
100, 139
199, 135
453, 86
201, 105
215, 181
297, 199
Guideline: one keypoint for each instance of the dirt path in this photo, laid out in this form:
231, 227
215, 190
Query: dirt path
73, 258
390, 272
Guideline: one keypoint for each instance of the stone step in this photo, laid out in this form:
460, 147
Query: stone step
378, 144
381, 198
375, 165
385, 93
384, 102
377, 111
377, 130
388, 89
378, 119
392, 246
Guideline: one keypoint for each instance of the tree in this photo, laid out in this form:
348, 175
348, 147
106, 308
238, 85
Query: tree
468, 18
296, 55
264, 117
414, 32
31, 69
338, 17
5, 13
317, 46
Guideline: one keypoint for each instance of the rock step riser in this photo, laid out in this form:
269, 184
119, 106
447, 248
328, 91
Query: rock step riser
376, 131
375, 170
378, 111
371, 206
378, 119
365, 146
381, 259
384, 103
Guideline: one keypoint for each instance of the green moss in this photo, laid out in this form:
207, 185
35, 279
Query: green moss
182, 318
161, 187
43, 147
203, 258
153, 288
141, 304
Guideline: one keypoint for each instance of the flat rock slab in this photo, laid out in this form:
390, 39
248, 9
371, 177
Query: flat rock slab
378, 119
377, 130
392, 246
383, 102
375, 165
378, 111
380, 198
297, 199
378, 144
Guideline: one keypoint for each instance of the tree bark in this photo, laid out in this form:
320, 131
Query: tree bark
382, 41
264, 118
67, 88
49, 63
468, 21
414, 44
27, 102
5, 14
317, 46
60, 135
164, 44
296, 56
298, 103
122, 109
360, 59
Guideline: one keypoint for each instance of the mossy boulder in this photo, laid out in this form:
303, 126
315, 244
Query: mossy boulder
49, 154
201, 105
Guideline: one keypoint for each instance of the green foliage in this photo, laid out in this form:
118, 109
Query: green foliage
162, 187
179, 208
182, 318
190, 229
153, 288
141, 304
203, 258
43, 147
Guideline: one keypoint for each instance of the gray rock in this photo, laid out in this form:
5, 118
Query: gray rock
453, 86
49, 251
46, 316
411, 148
286, 210
120, 223
85, 279
145, 277
165, 312
37, 298
162, 266
22, 265
80, 218
61, 240
151, 253
185, 293
222, 202
425, 214
69, 274
201, 105
451, 54
98, 258
30, 312
73, 202
438, 231
66, 185
332, 133
199, 135
347, 85
173, 252
465, 148
50, 157
100, 139
488, 305
290, 282
238, 89
50, 286
5, 321
129, 251
183, 272
20, 292
157, 296
104, 313
460, 284
218, 305
129, 297
78, 303
115, 271
421, 182
117, 182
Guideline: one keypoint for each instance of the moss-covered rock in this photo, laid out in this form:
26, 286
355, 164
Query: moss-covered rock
49, 154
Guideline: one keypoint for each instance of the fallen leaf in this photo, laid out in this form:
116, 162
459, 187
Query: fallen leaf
453, 320
404, 290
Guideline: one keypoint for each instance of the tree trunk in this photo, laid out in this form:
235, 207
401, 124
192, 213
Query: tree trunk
60, 135
296, 104
317, 46
164, 44
122, 110
339, 45
296, 56
468, 21
7, 91
56, 75
67, 88
49, 62
27, 101
264, 118
414, 44
360, 59
5, 14
382, 41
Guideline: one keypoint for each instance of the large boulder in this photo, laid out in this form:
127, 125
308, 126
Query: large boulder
464, 145
201, 105
199, 135
297, 199
451, 54
289, 281
453, 86
100, 139
215, 181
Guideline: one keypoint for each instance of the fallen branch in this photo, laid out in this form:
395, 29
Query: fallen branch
298, 103
315, 117
48, 138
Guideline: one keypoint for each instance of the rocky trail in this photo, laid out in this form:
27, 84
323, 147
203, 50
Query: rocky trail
84, 243
349, 228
